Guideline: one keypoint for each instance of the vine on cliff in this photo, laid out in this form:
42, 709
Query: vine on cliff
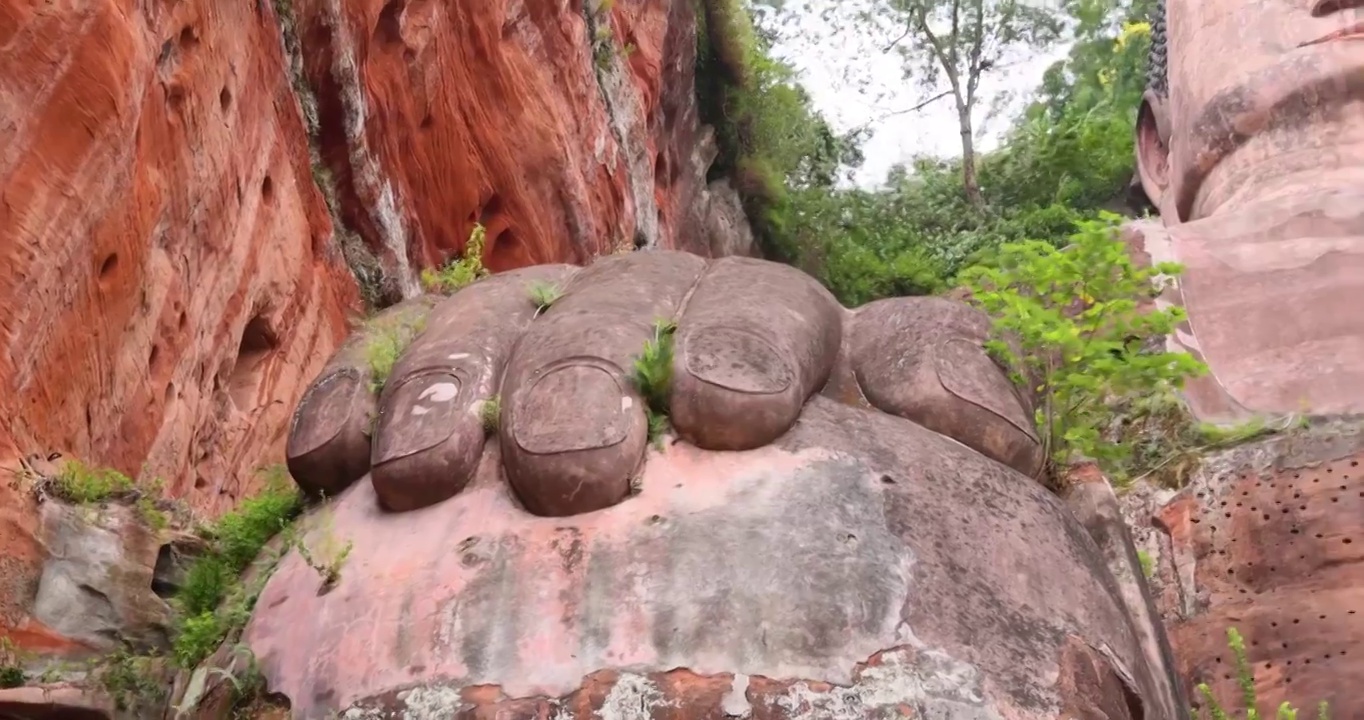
772, 143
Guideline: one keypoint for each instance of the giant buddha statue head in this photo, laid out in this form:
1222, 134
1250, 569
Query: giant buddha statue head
1250, 142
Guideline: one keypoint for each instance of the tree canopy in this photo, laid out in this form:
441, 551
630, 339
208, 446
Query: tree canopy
1065, 158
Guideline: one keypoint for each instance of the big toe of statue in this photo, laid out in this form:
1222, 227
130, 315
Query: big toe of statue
842, 527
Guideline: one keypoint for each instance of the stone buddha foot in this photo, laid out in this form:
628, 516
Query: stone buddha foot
839, 525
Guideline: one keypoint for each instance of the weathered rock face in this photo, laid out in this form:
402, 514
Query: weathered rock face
166, 264
1267, 539
794, 557
184, 185
567, 131
167, 276
1251, 143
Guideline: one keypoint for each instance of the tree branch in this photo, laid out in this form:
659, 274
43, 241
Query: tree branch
906, 111
975, 66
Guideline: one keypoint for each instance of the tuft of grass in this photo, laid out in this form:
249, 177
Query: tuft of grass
81, 484
460, 272
653, 377
388, 340
491, 413
1245, 678
213, 603
544, 295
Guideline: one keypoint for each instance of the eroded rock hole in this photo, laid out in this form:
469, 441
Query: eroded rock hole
490, 210
389, 27
257, 343
267, 188
108, 266
225, 99
189, 37
165, 577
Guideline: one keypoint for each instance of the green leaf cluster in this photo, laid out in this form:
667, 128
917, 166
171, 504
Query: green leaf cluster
1078, 328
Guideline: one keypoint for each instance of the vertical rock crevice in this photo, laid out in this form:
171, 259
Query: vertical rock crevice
625, 111
379, 286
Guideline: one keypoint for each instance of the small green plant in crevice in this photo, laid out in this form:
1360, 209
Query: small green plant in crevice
213, 603
460, 272
544, 295
490, 413
11, 669
1148, 563
388, 338
652, 375
1074, 327
1245, 679
328, 555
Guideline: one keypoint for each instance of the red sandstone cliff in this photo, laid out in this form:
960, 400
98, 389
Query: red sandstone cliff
189, 190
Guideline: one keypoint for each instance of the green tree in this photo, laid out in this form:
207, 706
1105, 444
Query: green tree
1074, 325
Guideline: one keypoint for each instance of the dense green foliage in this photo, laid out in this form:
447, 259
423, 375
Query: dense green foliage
772, 143
1068, 157
213, 602
1071, 324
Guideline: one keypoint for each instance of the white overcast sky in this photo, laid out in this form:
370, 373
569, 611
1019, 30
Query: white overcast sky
826, 56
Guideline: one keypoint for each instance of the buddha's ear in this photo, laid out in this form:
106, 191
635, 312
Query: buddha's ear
1152, 141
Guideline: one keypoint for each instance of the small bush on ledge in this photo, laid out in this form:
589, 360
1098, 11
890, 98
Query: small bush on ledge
462, 271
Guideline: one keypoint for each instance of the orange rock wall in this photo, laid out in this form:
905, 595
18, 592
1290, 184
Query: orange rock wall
167, 274
172, 173
522, 115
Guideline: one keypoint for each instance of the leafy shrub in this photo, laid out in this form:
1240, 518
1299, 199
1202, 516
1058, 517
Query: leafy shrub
460, 272
212, 602
11, 676
1070, 325
388, 338
11, 671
